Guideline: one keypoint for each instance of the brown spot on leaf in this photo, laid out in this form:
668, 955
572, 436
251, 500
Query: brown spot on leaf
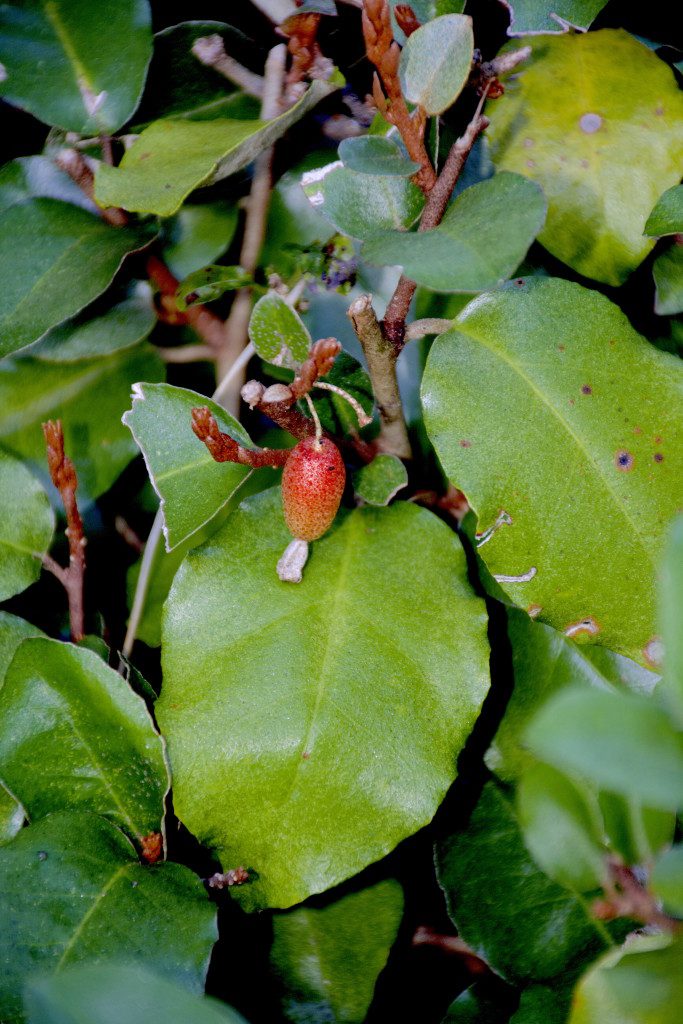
465, 444
531, 163
587, 626
561, 348
306, 754
623, 460
653, 652
528, 142
534, 610
586, 389
658, 457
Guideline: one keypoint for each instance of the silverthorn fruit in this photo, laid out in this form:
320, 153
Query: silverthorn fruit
312, 486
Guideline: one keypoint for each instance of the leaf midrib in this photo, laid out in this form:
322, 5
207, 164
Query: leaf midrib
92, 909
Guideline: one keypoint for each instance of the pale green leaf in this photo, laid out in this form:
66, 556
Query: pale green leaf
97, 59
551, 16
362, 204
114, 994
328, 957
560, 441
639, 983
523, 924
277, 332
75, 892
381, 480
622, 742
667, 271
482, 238
26, 526
666, 880
210, 283
173, 157
197, 235
571, 119
13, 631
667, 215
275, 695
89, 397
191, 485
44, 246
74, 736
436, 62
34, 177
86, 336
374, 154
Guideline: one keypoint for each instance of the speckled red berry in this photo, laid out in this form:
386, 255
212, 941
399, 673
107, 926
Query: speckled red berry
312, 487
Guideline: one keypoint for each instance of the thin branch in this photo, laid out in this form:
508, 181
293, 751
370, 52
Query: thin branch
363, 419
224, 448
210, 51
63, 475
76, 166
318, 364
430, 325
153, 548
381, 359
203, 322
626, 897
185, 353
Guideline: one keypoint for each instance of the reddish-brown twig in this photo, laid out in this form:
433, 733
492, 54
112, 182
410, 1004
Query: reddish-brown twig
301, 32
224, 448
76, 166
625, 896
63, 474
203, 322
319, 363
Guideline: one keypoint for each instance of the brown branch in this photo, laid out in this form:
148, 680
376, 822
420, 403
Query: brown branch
63, 475
319, 363
203, 322
224, 448
76, 166
301, 31
626, 897
385, 54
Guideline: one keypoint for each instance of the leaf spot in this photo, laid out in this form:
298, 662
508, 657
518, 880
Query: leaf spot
586, 389
465, 444
590, 123
588, 625
653, 652
658, 457
534, 610
42, 855
503, 519
528, 143
623, 460
531, 163
524, 577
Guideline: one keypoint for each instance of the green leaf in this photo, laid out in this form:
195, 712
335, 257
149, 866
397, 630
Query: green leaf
13, 631
571, 119
173, 157
328, 958
524, 925
89, 397
75, 892
26, 526
362, 204
667, 271
622, 742
210, 283
375, 154
481, 240
32, 177
44, 246
551, 16
112, 994
74, 736
482, 1003
670, 614
121, 326
561, 825
278, 333
436, 62
381, 480
12, 815
545, 662
191, 486
561, 436
334, 411
97, 67
197, 235
667, 215
666, 880
542, 1005
275, 696
639, 983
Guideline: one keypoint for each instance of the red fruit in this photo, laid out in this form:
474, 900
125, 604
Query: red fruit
312, 487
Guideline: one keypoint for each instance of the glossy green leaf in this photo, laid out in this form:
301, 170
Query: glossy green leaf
12, 815
275, 696
551, 16
360, 205
666, 880
277, 332
667, 271
667, 215
112, 994
545, 662
26, 526
381, 480
13, 631
571, 119
671, 614
89, 397
561, 825
210, 283
74, 892
86, 336
74, 736
191, 486
44, 245
426, 10
481, 240
436, 62
173, 157
198, 235
561, 436
622, 742
639, 983
97, 64
375, 154
482, 1003
541, 1004
328, 957
635, 832
524, 925
34, 177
